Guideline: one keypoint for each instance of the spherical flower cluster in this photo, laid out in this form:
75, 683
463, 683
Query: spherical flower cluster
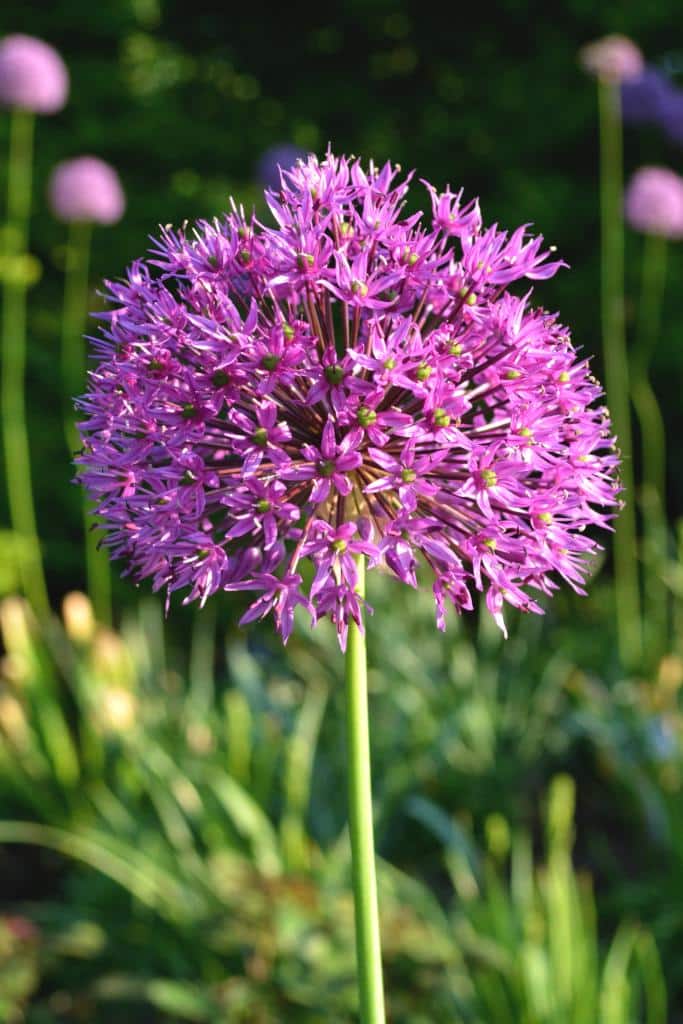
355, 380
614, 58
32, 75
86, 189
654, 202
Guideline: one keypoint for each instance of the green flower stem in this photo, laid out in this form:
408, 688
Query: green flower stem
73, 378
368, 950
73, 322
12, 395
651, 300
653, 440
616, 367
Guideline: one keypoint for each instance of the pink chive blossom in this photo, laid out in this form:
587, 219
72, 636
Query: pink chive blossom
32, 75
86, 189
614, 58
654, 202
349, 381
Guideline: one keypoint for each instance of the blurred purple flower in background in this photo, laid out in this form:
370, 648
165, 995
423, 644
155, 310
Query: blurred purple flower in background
654, 202
281, 155
86, 189
614, 58
671, 116
653, 98
32, 75
644, 99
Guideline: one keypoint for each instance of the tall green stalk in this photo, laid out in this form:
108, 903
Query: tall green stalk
368, 950
73, 379
653, 441
616, 367
12, 394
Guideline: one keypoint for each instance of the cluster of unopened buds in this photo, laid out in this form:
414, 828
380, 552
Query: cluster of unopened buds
353, 380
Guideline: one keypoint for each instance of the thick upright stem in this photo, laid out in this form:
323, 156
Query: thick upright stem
653, 442
14, 429
616, 367
73, 377
368, 949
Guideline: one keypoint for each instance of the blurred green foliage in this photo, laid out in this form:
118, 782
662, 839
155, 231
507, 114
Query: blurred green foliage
202, 863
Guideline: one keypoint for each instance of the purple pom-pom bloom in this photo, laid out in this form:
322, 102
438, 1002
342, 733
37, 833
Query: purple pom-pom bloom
32, 75
354, 380
654, 202
275, 158
86, 189
644, 99
614, 58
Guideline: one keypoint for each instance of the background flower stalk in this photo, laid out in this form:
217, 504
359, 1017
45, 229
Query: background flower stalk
73, 371
653, 440
627, 592
33, 80
16, 277
654, 206
83, 192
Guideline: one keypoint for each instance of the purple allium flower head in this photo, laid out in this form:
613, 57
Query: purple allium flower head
86, 189
645, 99
615, 58
32, 75
275, 158
353, 380
654, 202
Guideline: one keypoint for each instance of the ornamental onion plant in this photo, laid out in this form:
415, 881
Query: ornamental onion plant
277, 408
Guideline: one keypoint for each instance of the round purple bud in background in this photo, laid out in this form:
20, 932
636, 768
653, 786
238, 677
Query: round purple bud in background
86, 189
646, 98
614, 58
32, 75
282, 155
654, 202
